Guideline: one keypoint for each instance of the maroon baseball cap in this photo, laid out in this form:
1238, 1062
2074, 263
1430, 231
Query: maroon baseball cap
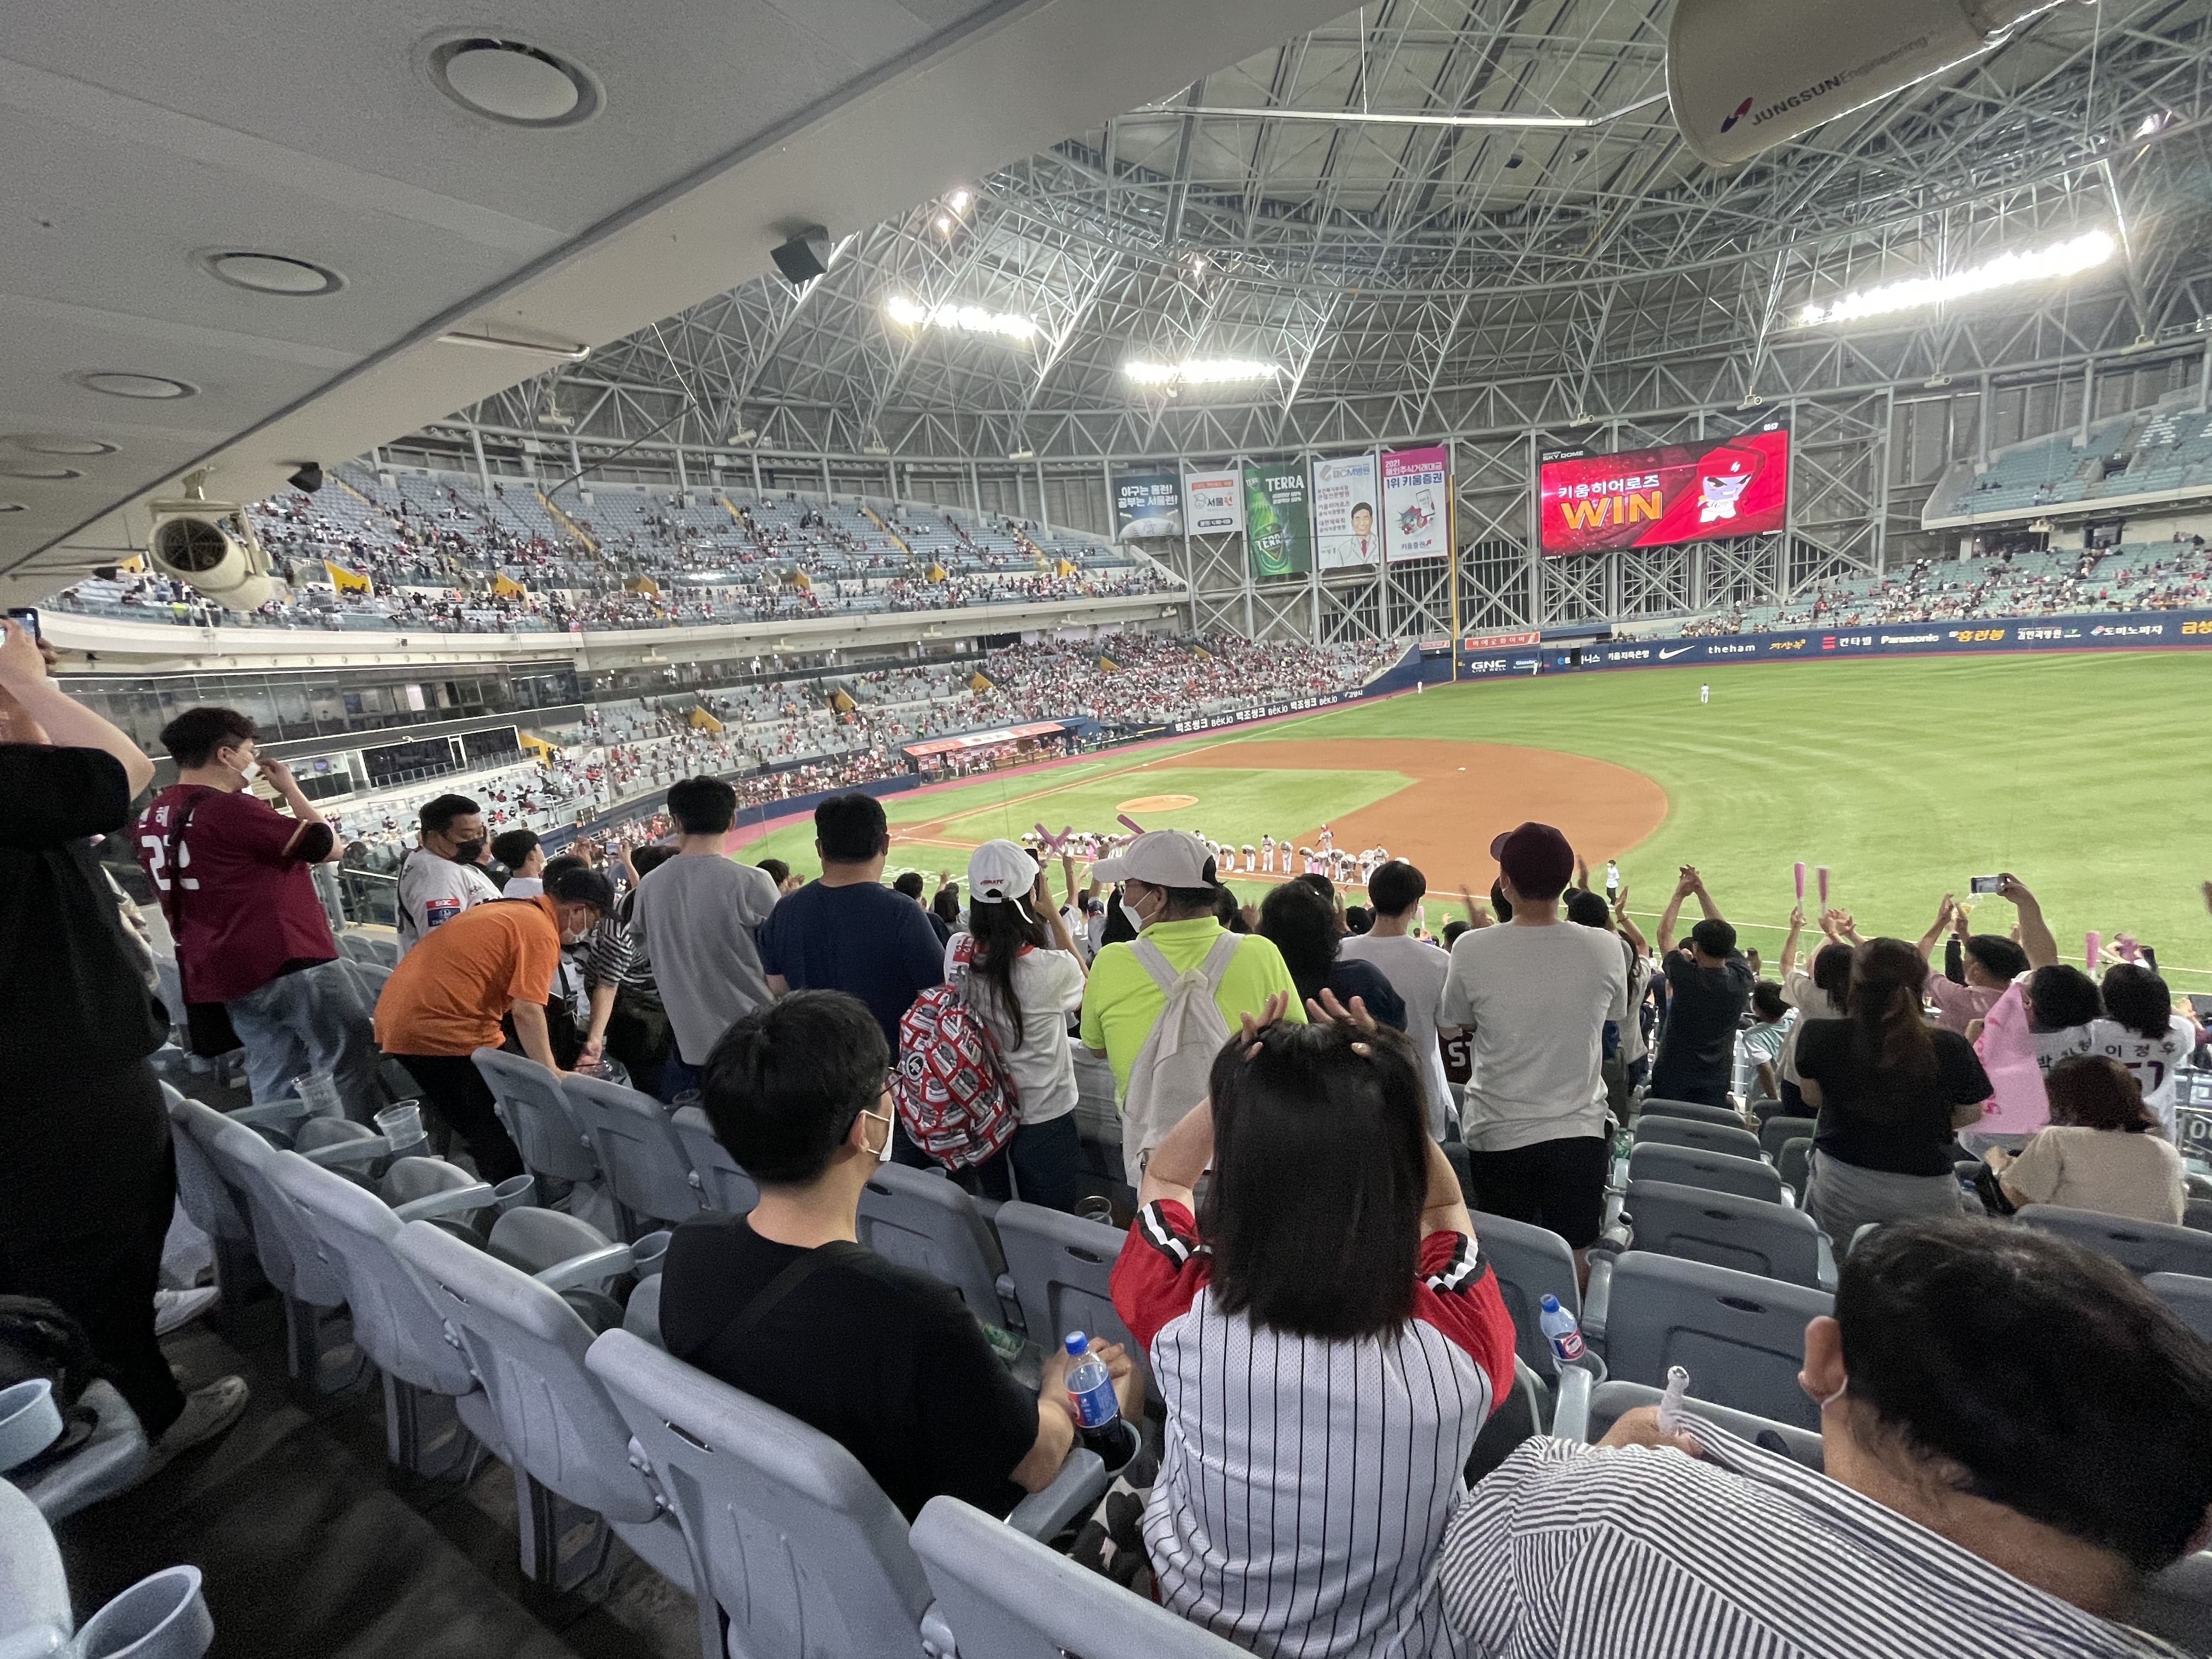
1536, 859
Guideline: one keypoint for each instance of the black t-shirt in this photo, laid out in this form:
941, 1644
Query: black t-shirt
1881, 1118
71, 985
1350, 977
1704, 1011
888, 1364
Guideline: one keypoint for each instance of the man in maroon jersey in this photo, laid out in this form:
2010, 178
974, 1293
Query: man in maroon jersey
232, 875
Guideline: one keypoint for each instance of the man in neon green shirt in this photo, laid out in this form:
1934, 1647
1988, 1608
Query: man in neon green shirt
1168, 889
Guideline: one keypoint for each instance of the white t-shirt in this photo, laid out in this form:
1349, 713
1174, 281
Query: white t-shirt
1634, 1045
1537, 999
1416, 970
1049, 984
2152, 1060
2051, 1046
433, 891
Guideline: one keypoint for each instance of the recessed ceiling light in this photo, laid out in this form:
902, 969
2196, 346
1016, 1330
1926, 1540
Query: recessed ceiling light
134, 386
47, 443
30, 469
513, 82
270, 273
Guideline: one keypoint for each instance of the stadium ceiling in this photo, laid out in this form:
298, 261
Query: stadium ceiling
1442, 216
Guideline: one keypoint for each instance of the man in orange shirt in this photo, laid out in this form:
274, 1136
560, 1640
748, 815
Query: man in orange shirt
448, 996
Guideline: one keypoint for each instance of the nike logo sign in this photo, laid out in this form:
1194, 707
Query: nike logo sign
1666, 656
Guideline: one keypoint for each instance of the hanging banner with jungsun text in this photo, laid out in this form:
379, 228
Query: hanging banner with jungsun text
1278, 519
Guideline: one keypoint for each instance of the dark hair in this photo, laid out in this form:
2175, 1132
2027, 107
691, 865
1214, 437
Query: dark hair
908, 882
647, 860
2059, 997
1357, 919
2088, 1091
194, 736
2041, 1375
1884, 1004
438, 812
1185, 902
1499, 902
513, 848
703, 806
1766, 997
2000, 957
1000, 935
1590, 910
1714, 937
1320, 1176
785, 1083
1229, 910
1453, 929
1832, 973
1320, 884
851, 828
2136, 997
946, 904
1303, 926
581, 886
1396, 888
778, 871
556, 868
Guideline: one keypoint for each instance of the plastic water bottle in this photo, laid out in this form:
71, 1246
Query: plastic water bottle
1090, 1396
1560, 1330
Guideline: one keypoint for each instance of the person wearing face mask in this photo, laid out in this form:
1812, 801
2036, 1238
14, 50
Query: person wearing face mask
446, 998
443, 876
232, 875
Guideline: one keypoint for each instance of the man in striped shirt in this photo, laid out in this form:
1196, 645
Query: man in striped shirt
2016, 1434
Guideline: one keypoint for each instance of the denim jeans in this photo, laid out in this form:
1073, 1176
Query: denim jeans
312, 1020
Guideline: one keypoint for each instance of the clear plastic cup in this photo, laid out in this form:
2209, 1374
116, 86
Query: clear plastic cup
402, 1125
318, 1093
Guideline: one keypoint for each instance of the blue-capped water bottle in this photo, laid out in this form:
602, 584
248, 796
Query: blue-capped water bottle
1560, 1330
1090, 1396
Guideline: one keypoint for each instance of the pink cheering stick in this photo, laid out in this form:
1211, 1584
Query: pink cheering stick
1801, 883
1130, 823
1822, 874
2090, 947
1054, 843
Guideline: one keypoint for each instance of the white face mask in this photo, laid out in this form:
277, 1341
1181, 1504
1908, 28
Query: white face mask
1134, 917
883, 1151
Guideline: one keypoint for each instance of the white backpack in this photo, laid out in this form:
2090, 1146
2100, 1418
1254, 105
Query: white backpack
1174, 1068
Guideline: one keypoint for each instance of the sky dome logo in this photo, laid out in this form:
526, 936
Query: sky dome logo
1741, 110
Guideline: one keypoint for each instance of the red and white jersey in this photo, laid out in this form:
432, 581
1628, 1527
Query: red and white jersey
1305, 1484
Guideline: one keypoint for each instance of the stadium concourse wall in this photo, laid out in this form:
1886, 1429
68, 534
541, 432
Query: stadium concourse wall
1401, 676
2137, 631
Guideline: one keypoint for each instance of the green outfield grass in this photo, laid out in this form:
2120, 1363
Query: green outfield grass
1904, 777
1229, 804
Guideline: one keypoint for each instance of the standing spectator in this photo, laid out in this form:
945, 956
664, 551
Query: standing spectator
909, 885
1302, 926
1890, 1092
1772, 1020
1817, 992
1169, 896
628, 1018
780, 872
1989, 963
2103, 1150
1416, 970
524, 858
442, 875
696, 916
2141, 1031
1708, 988
447, 999
847, 932
1536, 991
251, 934
89, 1181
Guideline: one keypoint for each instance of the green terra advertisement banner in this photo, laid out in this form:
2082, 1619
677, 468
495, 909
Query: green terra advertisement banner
1278, 519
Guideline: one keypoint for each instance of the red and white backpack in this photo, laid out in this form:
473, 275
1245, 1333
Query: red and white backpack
951, 1090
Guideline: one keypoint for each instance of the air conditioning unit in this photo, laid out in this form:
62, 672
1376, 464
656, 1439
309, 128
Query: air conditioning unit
211, 546
1745, 76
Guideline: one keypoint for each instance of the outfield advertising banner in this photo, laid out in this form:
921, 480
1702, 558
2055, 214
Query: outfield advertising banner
1346, 530
1588, 503
1278, 519
1213, 502
1416, 493
1269, 711
1147, 506
2110, 630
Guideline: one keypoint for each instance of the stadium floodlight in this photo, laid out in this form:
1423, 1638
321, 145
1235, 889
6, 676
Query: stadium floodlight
969, 319
2067, 259
1200, 371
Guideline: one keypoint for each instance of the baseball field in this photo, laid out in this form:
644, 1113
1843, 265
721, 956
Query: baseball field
1905, 779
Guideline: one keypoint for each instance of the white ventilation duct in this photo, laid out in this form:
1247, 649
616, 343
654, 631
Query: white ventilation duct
1745, 76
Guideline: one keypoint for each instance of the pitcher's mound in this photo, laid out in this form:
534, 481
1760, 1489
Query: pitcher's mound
1158, 804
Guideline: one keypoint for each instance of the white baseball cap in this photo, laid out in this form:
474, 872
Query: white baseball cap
1165, 858
999, 870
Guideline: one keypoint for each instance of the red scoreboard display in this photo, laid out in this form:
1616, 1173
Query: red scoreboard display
1736, 486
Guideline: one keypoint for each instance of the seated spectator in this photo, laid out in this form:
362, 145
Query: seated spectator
1332, 1277
2142, 1030
2016, 1434
1708, 988
1890, 1092
1169, 898
786, 1304
518, 849
2103, 1150
1416, 970
1302, 924
448, 997
1017, 968
1988, 963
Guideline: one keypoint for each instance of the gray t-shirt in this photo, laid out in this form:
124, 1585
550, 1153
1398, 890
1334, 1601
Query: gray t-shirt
696, 915
1416, 970
1537, 999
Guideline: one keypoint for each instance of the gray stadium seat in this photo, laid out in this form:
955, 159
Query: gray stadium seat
722, 1185
2198, 1214
1719, 1172
1529, 1261
1610, 1402
2140, 1247
1778, 1132
921, 1220
1688, 1111
369, 979
1748, 1234
563, 1437
1741, 1338
537, 1115
1736, 1142
1060, 1266
640, 1156
215, 1208
162, 1616
309, 1286
2189, 1295
111, 1460
1006, 1596
1794, 1162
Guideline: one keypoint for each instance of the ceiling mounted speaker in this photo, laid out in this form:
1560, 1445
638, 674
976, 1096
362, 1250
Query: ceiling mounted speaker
805, 257
1745, 76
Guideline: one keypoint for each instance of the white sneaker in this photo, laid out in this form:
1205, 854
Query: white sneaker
174, 1310
209, 1412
